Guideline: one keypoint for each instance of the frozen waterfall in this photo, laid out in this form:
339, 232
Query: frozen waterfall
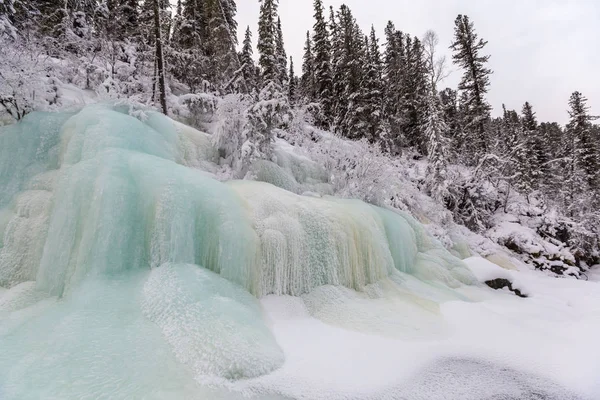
128, 271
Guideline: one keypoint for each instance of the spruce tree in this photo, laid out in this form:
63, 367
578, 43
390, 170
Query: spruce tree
536, 154
177, 19
393, 68
449, 102
219, 45
307, 81
146, 21
267, 42
292, 83
322, 64
414, 92
581, 173
373, 89
474, 85
349, 54
281, 56
437, 149
515, 149
248, 67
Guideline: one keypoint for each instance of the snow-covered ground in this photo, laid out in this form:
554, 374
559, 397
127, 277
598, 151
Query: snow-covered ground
492, 346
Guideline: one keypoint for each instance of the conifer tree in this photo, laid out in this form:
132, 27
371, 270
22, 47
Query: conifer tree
307, 81
248, 67
373, 89
414, 94
146, 21
281, 55
449, 103
536, 154
292, 83
581, 170
349, 53
393, 68
322, 64
126, 18
515, 150
219, 44
437, 150
229, 10
177, 20
474, 85
267, 38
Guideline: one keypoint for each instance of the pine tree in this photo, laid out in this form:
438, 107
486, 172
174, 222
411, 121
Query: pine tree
267, 37
515, 149
248, 67
190, 34
449, 101
349, 53
474, 85
177, 21
581, 173
219, 45
393, 69
281, 56
373, 89
437, 150
307, 81
146, 21
292, 83
414, 94
229, 10
322, 64
536, 154
126, 19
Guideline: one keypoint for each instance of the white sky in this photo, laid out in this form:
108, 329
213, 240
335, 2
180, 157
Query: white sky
542, 50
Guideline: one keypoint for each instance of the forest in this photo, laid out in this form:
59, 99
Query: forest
384, 92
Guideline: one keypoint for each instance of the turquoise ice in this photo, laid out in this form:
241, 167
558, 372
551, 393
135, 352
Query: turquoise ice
126, 269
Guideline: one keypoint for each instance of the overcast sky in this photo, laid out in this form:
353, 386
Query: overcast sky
542, 50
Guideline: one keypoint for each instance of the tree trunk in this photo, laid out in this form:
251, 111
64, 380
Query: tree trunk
160, 60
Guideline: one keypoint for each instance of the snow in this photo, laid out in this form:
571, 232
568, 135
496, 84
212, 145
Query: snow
128, 271
486, 270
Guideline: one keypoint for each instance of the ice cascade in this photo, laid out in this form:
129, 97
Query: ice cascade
113, 229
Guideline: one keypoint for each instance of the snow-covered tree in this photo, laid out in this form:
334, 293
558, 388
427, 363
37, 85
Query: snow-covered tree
437, 150
307, 81
581, 171
373, 89
292, 83
281, 55
247, 61
474, 85
322, 64
267, 42
264, 116
393, 70
348, 54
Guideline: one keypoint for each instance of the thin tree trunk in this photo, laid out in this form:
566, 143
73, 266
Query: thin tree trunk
160, 60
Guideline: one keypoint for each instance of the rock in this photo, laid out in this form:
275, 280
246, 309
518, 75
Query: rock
501, 283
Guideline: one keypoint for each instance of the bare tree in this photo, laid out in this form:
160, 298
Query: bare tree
436, 66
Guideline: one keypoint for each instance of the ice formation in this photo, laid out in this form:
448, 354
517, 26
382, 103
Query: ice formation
119, 253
